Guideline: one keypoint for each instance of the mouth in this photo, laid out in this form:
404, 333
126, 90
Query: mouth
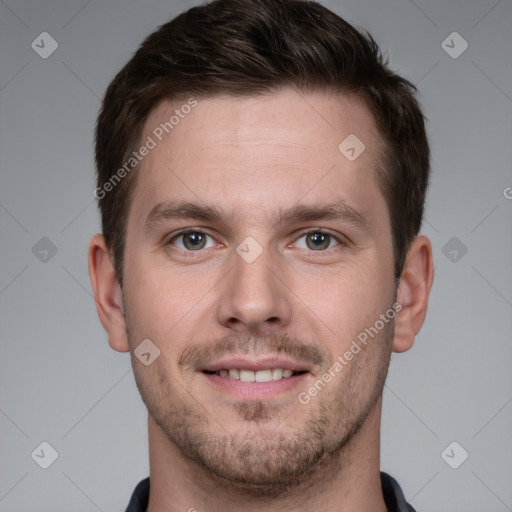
265, 375
257, 380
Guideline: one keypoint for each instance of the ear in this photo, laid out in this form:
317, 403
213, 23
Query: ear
107, 293
413, 292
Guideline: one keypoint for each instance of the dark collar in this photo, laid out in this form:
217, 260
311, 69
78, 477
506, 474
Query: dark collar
393, 496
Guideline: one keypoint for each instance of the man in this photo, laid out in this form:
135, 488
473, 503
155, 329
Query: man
261, 183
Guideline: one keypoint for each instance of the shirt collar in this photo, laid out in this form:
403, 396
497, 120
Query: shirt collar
393, 496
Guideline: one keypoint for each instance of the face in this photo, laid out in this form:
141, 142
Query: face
256, 253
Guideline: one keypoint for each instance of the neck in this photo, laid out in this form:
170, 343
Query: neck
348, 480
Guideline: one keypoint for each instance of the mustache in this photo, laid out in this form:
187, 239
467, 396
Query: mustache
271, 344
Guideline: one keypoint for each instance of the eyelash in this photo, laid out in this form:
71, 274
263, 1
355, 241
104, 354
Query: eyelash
182, 234
340, 241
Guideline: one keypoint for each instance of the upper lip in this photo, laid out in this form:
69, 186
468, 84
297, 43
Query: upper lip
254, 364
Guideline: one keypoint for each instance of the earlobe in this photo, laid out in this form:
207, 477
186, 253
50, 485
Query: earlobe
413, 293
107, 293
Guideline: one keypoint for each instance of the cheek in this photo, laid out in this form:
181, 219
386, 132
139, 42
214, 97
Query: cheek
155, 300
346, 302
165, 303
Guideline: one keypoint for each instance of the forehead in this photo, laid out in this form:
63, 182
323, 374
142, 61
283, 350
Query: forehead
240, 154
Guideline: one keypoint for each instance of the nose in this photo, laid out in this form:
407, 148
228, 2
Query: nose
254, 298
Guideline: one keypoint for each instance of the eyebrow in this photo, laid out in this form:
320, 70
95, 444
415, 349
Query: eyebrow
180, 210
176, 210
336, 211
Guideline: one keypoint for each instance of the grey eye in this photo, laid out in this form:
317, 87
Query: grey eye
318, 241
193, 241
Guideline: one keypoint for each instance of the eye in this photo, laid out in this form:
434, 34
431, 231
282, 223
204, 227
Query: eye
193, 241
317, 241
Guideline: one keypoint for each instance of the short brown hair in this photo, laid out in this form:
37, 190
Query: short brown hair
249, 47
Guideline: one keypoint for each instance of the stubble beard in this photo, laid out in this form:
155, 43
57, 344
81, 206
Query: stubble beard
262, 459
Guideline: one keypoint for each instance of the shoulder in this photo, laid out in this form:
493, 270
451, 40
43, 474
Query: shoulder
393, 494
140, 497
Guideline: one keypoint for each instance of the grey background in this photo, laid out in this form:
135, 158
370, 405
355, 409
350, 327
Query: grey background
61, 383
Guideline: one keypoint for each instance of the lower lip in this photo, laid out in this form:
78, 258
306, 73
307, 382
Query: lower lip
256, 390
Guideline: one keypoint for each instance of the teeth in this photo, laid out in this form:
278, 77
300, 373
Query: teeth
247, 376
256, 376
277, 374
263, 375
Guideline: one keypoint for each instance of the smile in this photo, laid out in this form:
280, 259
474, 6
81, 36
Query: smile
265, 375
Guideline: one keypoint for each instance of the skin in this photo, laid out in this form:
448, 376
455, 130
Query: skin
252, 159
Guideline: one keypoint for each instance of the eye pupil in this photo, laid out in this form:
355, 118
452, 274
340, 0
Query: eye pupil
194, 241
318, 241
